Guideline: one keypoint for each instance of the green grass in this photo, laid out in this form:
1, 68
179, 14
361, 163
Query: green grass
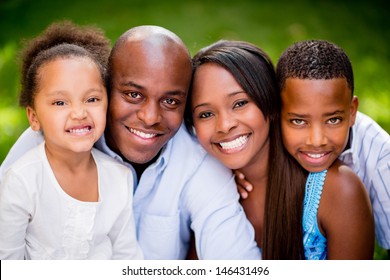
361, 28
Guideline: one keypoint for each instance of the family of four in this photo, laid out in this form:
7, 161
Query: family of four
131, 151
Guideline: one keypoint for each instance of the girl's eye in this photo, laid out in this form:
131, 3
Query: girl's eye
92, 100
59, 103
240, 103
298, 122
334, 120
205, 115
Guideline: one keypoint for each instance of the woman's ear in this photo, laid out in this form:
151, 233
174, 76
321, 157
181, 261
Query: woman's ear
33, 118
354, 109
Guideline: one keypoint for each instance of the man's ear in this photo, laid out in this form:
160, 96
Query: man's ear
33, 118
354, 109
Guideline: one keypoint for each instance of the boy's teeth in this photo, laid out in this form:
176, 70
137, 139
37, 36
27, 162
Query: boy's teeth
142, 134
238, 142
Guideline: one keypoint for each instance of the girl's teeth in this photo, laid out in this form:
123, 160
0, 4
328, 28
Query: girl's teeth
79, 130
238, 142
142, 134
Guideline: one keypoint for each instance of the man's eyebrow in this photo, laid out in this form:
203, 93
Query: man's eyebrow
170, 92
132, 84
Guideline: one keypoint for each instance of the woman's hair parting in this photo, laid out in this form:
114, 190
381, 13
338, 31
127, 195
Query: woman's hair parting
60, 40
314, 59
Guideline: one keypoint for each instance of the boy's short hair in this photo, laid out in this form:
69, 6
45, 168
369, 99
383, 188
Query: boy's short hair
314, 59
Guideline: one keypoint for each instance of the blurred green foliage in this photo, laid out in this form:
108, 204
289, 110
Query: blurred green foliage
361, 28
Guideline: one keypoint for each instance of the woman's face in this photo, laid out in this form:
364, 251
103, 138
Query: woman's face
228, 123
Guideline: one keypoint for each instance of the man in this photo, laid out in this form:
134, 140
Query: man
179, 187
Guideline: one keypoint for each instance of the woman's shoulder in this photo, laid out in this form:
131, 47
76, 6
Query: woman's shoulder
342, 180
343, 190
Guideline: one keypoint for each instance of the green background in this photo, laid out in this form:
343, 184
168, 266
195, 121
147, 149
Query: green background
361, 28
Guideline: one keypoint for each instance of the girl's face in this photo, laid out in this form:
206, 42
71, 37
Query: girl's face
316, 117
228, 123
70, 104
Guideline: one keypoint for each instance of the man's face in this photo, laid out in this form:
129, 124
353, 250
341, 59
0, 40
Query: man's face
147, 100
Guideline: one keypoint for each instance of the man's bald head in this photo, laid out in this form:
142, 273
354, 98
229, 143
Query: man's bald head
150, 33
155, 43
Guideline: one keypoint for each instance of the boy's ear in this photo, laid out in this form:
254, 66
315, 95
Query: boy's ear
33, 118
354, 109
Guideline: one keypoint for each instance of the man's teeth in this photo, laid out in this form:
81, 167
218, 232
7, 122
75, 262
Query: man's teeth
142, 134
238, 142
315, 155
80, 130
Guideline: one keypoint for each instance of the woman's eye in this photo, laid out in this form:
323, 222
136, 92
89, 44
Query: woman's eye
240, 103
205, 115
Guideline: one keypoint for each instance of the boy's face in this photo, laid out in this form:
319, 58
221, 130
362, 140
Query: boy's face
316, 117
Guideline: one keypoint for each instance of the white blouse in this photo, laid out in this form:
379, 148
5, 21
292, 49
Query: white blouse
38, 220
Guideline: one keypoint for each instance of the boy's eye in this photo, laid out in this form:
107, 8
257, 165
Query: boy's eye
334, 120
297, 122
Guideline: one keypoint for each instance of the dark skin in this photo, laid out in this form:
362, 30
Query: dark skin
147, 100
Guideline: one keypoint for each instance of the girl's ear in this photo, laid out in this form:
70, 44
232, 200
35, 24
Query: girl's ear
354, 109
33, 118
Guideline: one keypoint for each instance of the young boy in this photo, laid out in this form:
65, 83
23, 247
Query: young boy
367, 150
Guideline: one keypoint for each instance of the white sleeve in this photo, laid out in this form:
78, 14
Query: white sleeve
123, 234
221, 228
28, 140
15, 212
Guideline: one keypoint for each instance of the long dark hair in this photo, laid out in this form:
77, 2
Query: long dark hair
254, 71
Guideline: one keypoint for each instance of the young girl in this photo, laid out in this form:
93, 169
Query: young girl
64, 199
234, 106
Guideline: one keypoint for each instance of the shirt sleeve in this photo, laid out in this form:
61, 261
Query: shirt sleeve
15, 212
221, 228
380, 199
123, 233
28, 140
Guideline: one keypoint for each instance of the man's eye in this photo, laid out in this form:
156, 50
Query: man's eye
135, 95
171, 101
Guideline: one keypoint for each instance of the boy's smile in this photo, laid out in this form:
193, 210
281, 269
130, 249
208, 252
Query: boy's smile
316, 117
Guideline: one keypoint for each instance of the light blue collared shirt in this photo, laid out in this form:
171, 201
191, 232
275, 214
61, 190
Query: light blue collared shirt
185, 189
369, 157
